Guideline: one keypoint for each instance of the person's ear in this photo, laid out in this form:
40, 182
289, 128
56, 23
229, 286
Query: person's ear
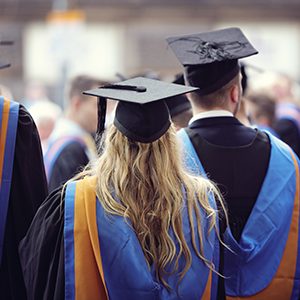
234, 93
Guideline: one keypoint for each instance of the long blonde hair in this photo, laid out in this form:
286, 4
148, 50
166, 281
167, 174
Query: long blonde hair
147, 185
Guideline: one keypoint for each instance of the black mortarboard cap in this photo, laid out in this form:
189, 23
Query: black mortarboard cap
4, 65
211, 58
141, 115
179, 103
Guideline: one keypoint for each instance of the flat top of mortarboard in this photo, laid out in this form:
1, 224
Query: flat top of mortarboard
209, 47
140, 90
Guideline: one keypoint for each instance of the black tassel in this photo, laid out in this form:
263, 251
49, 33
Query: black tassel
101, 121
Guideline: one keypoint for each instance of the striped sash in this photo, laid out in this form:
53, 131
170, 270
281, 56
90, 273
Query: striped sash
103, 259
9, 112
265, 264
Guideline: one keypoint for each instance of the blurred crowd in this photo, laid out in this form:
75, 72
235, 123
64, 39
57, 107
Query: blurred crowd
68, 134
270, 102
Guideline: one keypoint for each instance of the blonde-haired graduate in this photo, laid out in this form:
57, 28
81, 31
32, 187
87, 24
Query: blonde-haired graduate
135, 224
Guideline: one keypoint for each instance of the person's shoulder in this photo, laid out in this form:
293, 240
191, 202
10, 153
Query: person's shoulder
54, 203
24, 116
74, 149
26, 124
262, 135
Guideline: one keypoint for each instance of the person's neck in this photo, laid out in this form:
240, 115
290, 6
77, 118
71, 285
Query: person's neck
69, 115
210, 113
198, 110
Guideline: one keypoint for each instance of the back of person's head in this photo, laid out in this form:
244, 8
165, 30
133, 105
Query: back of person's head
261, 108
80, 108
79, 84
219, 98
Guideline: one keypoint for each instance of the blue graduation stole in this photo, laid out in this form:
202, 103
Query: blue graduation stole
104, 260
265, 263
9, 112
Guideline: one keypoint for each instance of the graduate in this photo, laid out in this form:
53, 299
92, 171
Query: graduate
135, 225
23, 187
257, 174
71, 145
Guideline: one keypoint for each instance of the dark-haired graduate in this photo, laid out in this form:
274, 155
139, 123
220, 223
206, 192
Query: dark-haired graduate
257, 174
23, 187
136, 225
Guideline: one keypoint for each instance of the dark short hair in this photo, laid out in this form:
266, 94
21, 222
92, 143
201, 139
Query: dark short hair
82, 83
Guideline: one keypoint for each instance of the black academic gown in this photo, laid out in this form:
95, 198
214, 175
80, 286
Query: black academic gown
71, 160
288, 132
28, 190
42, 251
236, 158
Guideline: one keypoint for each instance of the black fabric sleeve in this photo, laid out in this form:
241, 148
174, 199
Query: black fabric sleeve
42, 251
28, 191
70, 161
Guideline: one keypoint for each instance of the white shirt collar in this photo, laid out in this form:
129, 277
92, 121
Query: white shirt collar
211, 114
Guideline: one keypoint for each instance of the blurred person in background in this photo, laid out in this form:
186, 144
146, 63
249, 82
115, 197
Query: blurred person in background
242, 113
45, 114
287, 124
35, 92
23, 187
261, 110
180, 107
257, 174
71, 145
